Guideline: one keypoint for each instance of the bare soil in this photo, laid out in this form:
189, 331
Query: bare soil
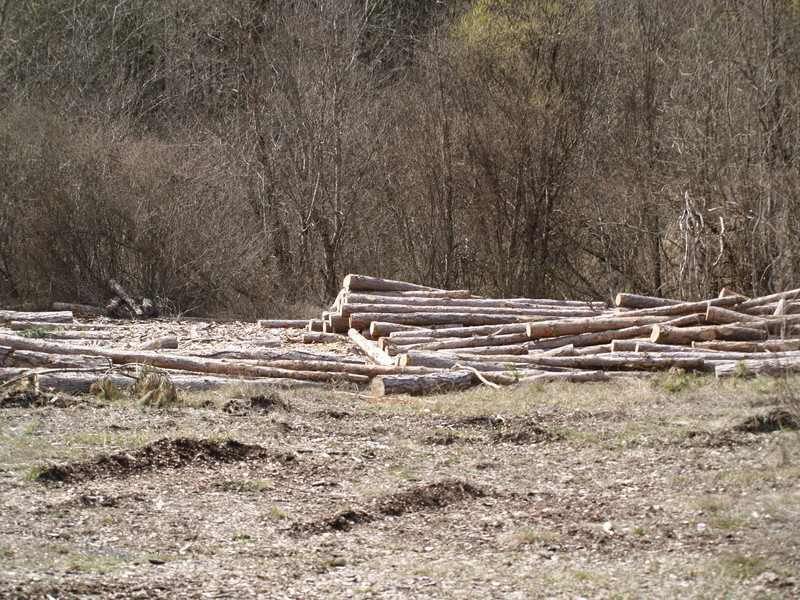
617, 490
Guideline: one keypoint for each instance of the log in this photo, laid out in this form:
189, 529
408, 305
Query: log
180, 363
46, 326
437, 360
77, 335
761, 300
378, 356
126, 297
604, 337
367, 299
314, 325
517, 349
394, 309
448, 381
453, 343
627, 345
335, 323
573, 376
634, 301
716, 315
686, 308
63, 316
361, 321
116, 307
666, 334
371, 370
775, 367
428, 294
283, 323
81, 310
378, 329
81, 383
767, 346
316, 337
444, 332
547, 329
162, 343
10, 357
354, 283
789, 308
637, 362
591, 350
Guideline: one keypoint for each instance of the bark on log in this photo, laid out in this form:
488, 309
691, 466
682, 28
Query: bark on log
77, 335
666, 334
425, 294
283, 323
81, 310
761, 300
395, 309
314, 325
368, 299
376, 354
378, 329
685, 308
361, 321
353, 283
716, 315
180, 363
449, 344
316, 337
604, 337
767, 346
572, 376
547, 329
634, 301
63, 316
517, 349
437, 360
10, 357
478, 330
81, 383
789, 308
390, 385
127, 298
116, 307
774, 366
46, 326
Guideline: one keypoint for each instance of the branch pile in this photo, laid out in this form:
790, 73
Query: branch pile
415, 339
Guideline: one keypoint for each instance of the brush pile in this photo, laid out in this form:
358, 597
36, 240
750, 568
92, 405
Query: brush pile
413, 339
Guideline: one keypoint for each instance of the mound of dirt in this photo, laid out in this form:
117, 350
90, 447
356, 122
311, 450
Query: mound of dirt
30, 398
432, 495
774, 420
161, 454
418, 498
257, 405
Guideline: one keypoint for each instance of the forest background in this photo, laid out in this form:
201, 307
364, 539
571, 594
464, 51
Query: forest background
238, 157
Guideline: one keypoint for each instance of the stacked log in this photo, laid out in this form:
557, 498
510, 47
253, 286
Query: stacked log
417, 339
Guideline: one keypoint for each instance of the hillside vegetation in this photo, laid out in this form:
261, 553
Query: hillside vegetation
240, 156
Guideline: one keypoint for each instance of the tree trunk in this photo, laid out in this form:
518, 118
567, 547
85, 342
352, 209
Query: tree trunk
63, 316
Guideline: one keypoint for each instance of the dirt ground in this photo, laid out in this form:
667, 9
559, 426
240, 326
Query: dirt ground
685, 488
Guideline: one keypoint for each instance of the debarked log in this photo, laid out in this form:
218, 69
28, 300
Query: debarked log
446, 381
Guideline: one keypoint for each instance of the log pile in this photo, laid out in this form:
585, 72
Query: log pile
413, 339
